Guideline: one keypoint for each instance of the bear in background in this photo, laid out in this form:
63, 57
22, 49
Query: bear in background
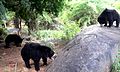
109, 15
13, 38
35, 51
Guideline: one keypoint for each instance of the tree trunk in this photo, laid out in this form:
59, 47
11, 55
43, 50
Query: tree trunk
20, 26
29, 29
32, 26
17, 24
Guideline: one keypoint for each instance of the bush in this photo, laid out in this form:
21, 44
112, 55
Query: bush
65, 31
48, 34
3, 32
116, 64
76, 13
117, 5
84, 12
70, 29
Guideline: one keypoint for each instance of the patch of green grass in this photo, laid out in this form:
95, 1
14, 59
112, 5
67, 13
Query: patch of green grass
49, 34
116, 64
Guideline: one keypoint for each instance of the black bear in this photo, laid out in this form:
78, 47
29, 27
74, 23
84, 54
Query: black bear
35, 51
13, 38
109, 15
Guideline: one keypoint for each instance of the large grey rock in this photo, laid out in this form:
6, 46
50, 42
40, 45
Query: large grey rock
93, 50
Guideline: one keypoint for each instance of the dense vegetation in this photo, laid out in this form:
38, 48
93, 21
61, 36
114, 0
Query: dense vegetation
53, 19
64, 16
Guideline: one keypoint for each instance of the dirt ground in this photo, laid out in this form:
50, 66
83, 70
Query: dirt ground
11, 61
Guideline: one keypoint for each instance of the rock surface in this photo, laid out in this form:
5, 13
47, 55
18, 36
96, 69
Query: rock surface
93, 50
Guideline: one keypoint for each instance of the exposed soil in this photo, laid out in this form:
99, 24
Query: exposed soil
11, 61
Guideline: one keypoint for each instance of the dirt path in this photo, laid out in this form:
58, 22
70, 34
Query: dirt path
11, 61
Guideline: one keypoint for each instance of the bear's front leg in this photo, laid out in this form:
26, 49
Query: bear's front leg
105, 24
44, 60
117, 23
27, 64
110, 23
36, 64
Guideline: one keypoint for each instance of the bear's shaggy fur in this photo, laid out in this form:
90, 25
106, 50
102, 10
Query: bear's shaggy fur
109, 15
35, 51
13, 38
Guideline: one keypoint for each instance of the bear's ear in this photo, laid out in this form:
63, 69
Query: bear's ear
106, 8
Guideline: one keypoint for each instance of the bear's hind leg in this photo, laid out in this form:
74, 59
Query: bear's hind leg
18, 44
7, 45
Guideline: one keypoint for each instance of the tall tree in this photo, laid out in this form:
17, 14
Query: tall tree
28, 9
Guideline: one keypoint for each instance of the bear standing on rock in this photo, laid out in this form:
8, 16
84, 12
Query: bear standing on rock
13, 38
109, 15
35, 51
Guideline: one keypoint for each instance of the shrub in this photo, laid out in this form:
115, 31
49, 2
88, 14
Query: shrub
4, 32
48, 34
65, 31
84, 12
116, 64
70, 29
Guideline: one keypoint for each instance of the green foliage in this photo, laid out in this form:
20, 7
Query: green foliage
2, 11
4, 32
117, 5
70, 29
116, 64
28, 9
84, 12
67, 31
25, 11
1, 22
45, 17
51, 6
10, 15
73, 14
48, 34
